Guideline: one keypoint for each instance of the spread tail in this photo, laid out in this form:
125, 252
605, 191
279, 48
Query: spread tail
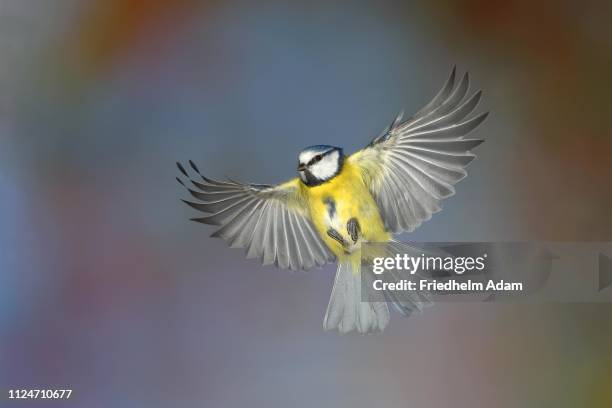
351, 310
346, 311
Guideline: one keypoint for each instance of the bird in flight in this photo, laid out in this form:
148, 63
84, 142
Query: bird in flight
339, 202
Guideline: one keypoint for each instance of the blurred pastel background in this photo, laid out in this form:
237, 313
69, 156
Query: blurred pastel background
108, 289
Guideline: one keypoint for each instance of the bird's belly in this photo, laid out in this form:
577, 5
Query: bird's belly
334, 208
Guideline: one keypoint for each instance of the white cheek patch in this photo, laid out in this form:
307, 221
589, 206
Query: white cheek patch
327, 167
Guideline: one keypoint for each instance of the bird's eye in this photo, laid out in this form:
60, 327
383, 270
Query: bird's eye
317, 158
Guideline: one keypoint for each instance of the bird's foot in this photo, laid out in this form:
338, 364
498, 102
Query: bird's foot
336, 235
353, 228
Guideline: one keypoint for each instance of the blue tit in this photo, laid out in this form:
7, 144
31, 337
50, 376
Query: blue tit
338, 202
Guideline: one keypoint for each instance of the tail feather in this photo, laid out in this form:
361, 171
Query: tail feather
346, 310
351, 310
407, 302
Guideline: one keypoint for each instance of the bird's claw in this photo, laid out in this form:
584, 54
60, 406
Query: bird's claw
353, 228
336, 235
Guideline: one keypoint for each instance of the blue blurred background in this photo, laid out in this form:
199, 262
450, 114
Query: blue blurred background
108, 289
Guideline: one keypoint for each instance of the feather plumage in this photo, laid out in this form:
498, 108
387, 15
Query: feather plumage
270, 222
416, 163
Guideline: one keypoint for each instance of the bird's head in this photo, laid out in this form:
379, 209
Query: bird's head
318, 164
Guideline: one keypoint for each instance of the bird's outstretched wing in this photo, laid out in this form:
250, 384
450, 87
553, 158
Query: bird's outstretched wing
271, 222
415, 163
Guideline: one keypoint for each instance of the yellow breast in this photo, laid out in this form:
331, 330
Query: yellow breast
334, 203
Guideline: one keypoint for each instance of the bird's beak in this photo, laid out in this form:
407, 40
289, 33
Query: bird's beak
301, 167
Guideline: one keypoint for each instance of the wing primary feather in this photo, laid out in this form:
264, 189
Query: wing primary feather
216, 206
390, 219
269, 251
193, 166
220, 183
216, 188
283, 250
223, 216
205, 207
308, 253
255, 246
456, 115
257, 242
440, 96
285, 254
393, 188
460, 159
215, 196
219, 217
419, 210
449, 166
292, 244
294, 234
447, 105
317, 242
442, 93
453, 131
182, 169
452, 146
230, 229
244, 236
445, 174
455, 97
236, 230
275, 220
437, 188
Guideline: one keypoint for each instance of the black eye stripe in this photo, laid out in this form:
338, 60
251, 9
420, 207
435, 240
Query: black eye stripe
315, 159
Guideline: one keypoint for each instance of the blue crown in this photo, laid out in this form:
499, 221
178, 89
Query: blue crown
321, 148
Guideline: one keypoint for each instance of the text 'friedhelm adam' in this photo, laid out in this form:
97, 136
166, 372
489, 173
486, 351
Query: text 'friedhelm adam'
421, 265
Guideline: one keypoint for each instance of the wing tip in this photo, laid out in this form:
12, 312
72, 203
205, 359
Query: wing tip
196, 206
473, 143
182, 169
193, 166
201, 220
483, 115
